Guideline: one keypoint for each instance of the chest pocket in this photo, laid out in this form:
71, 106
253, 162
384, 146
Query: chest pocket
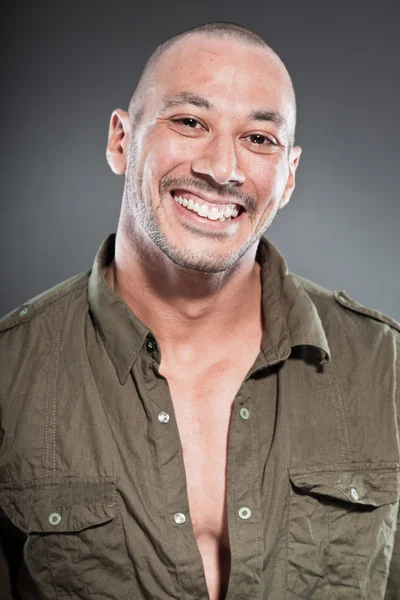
75, 546
341, 531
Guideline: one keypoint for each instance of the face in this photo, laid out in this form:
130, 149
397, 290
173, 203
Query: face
210, 163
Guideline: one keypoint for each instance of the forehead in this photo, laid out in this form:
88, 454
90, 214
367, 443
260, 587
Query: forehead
223, 69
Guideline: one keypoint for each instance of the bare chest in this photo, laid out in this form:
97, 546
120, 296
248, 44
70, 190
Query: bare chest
203, 413
203, 405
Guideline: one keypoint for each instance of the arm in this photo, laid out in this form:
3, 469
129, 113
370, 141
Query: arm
11, 550
393, 586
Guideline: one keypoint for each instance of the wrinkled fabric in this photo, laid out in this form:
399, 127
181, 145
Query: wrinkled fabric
91, 479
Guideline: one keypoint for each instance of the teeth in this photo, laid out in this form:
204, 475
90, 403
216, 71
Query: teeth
228, 212
213, 214
204, 210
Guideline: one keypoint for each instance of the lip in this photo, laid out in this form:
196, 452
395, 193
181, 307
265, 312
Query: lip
217, 201
205, 223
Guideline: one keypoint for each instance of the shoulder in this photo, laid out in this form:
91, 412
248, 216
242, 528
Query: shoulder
35, 339
348, 303
339, 306
28, 318
32, 336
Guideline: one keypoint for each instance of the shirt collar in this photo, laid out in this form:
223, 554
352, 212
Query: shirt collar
123, 333
291, 318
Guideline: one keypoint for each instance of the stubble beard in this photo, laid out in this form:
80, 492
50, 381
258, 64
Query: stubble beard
147, 217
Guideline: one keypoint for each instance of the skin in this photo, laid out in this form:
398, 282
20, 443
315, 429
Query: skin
237, 78
194, 285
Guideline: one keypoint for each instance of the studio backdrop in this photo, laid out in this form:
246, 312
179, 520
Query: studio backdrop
68, 65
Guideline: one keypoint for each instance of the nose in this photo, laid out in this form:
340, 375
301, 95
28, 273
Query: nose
219, 161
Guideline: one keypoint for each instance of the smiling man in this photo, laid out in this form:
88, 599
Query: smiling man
189, 419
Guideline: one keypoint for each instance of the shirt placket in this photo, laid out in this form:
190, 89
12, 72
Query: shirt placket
243, 487
179, 529
243, 498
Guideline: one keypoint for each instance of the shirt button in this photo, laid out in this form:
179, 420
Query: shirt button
150, 343
23, 312
54, 519
179, 518
244, 413
354, 494
244, 513
163, 417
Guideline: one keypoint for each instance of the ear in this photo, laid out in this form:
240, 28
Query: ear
118, 137
294, 159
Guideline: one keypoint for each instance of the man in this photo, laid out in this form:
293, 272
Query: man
189, 419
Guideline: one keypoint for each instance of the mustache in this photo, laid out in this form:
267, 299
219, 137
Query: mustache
201, 185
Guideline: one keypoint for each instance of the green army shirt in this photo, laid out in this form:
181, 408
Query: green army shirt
93, 497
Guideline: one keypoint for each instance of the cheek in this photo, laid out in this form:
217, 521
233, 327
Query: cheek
271, 180
162, 154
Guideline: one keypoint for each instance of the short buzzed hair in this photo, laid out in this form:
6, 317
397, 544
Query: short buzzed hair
223, 29
218, 28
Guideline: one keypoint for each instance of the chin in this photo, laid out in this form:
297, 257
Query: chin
203, 261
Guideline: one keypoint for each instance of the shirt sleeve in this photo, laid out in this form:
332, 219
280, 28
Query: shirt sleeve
393, 586
11, 552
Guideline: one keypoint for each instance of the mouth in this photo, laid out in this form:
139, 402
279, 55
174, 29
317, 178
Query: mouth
206, 208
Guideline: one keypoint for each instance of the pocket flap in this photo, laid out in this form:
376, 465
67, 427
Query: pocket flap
371, 484
55, 505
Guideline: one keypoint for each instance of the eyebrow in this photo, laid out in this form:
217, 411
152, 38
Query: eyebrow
186, 98
268, 115
200, 102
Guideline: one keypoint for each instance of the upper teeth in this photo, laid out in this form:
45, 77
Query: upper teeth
213, 213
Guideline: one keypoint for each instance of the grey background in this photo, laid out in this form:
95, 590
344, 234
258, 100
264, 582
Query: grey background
67, 65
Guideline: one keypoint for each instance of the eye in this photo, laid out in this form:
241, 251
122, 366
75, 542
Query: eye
188, 122
260, 140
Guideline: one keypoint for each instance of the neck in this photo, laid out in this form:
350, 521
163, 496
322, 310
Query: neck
186, 310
